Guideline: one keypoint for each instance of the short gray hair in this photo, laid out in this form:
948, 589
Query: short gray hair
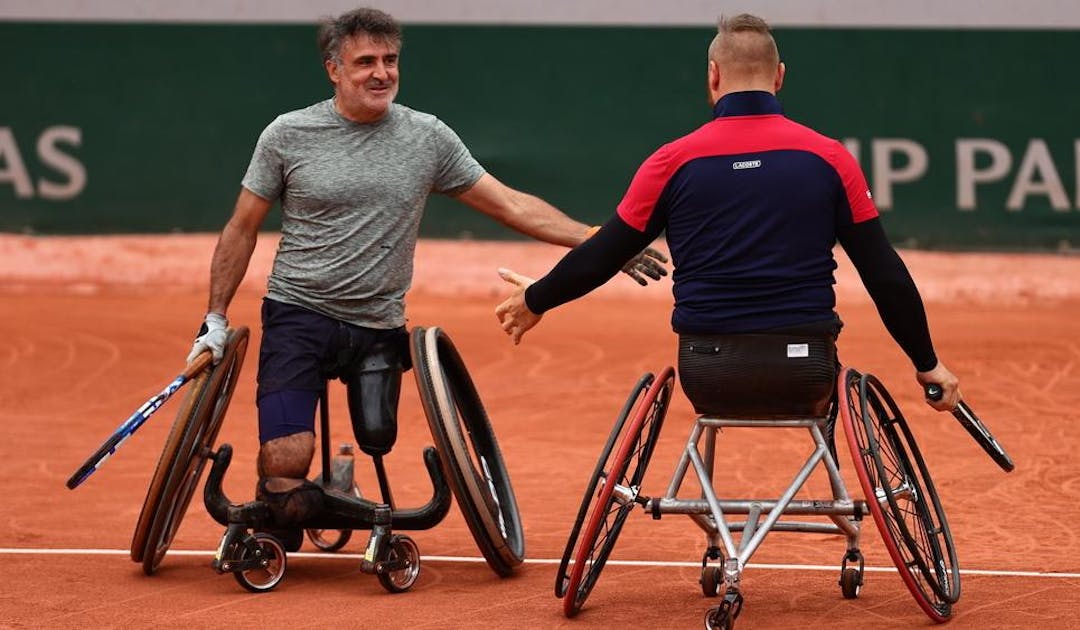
378, 25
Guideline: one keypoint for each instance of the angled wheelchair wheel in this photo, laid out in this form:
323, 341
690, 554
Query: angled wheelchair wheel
562, 578
190, 441
468, 452
900, 494
330, 540
619, 484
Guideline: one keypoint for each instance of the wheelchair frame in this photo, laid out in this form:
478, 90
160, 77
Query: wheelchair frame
462, 433
890, 467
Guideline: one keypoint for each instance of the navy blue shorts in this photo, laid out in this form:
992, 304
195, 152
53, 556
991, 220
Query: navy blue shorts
300, 351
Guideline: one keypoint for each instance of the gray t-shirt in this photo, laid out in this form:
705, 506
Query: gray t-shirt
351, 197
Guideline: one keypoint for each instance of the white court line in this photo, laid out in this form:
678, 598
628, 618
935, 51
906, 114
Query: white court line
625, 563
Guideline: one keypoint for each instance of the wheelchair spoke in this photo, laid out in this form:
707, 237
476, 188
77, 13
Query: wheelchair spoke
900, 494
497, 511
614, 490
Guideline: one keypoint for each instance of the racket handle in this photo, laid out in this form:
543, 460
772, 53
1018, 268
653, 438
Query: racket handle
935, 392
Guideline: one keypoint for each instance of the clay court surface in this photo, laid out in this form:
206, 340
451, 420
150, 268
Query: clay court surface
92, 327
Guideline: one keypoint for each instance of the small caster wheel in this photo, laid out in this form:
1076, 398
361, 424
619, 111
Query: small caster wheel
851, 583
711, 578
270, 557
401, 568
722, 616
718, 618
851, 578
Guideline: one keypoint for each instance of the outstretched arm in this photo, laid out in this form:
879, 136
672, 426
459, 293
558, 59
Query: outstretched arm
523, 212
899, 304
583, 269
532, 216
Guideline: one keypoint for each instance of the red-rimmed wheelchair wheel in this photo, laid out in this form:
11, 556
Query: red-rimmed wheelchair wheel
562, 578
617, 494
900, 493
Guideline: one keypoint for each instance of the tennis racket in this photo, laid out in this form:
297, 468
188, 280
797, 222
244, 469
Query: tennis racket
976, 428
136, 420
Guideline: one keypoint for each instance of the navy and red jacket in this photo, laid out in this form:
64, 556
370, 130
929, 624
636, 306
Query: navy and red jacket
752, 204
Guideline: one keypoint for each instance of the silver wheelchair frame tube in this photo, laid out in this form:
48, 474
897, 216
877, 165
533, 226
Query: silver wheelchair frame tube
709, 512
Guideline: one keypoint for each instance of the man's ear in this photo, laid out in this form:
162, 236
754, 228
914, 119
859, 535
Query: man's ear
781, 70
714, 76
331, 70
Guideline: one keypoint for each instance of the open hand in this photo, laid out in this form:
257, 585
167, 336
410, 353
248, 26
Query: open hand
513, 314
649, 263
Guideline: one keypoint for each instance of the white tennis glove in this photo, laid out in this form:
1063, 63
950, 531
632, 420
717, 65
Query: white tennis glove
211, 337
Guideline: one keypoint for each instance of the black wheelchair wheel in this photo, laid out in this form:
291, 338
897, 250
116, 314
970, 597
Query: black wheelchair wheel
468, 452
330, 540
618, 494
190, 442
900, 494
404, 552
603, 464
272, 571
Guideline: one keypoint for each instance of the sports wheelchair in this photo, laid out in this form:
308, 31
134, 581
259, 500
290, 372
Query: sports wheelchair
899, 495
465, 461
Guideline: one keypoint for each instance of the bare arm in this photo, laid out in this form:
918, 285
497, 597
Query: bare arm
234, 249
523, 212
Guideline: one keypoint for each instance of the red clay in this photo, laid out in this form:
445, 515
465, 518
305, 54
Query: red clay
91, 327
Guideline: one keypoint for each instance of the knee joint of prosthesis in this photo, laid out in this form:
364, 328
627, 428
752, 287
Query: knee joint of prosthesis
374, 388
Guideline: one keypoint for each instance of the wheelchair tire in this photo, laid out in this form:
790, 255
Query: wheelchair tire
900, 493
331, 540
608, 511
562, 578
402, 548
190, 441
468, 452
268, 577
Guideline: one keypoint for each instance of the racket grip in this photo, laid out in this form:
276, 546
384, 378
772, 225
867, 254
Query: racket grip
933, 391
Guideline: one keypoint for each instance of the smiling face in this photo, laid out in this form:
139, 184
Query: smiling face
365, 77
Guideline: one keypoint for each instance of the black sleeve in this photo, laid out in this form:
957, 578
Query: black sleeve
589, 265
890, 286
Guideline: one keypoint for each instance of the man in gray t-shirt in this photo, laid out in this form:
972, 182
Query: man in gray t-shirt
352, 174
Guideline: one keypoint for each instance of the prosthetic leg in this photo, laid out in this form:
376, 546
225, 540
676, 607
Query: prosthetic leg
258, 561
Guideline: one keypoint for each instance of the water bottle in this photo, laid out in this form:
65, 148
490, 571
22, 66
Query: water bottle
341, 470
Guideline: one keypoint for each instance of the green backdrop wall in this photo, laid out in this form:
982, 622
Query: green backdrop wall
119, 127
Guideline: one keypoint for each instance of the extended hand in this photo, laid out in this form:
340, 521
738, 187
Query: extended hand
648, 263
211, 337
514, 314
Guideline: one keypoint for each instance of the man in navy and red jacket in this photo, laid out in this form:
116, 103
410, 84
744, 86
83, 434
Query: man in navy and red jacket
752, 204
